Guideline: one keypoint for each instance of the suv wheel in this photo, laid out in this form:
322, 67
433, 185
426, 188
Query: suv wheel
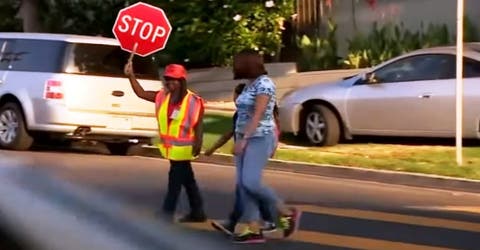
118, 148
321, 127
13, 132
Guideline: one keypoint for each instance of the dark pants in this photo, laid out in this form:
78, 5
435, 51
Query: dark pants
181, 174
238, 206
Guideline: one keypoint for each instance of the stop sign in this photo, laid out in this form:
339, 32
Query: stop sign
143, 26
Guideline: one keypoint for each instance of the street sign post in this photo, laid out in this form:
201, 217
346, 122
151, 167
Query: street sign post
459, 88
142, 29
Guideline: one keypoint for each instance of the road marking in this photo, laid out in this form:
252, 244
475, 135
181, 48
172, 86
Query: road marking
467, 209
339, 240
393, 217
344, 240
357, 242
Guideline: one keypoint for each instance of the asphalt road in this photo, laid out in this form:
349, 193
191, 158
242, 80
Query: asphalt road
338, 213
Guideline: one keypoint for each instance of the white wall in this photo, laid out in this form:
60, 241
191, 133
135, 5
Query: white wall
410, 12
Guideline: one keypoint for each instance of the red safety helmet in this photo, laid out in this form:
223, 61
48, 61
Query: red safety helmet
175, 71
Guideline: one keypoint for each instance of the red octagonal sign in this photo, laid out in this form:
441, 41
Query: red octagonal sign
143, 26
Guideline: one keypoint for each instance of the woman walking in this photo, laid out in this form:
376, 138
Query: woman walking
228, 226
255, 142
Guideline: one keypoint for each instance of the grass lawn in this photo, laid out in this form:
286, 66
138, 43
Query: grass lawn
430, 159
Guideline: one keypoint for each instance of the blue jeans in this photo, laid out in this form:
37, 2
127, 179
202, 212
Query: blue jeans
238, 209
250, 167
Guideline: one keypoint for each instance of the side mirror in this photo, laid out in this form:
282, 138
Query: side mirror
363, 76
370, 78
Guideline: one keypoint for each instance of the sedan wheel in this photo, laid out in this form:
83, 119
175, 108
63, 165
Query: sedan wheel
321, 126
315, 127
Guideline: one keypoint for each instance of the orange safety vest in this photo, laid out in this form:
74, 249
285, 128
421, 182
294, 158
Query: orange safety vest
178, 136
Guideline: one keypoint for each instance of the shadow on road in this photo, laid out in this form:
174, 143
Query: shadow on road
76, 147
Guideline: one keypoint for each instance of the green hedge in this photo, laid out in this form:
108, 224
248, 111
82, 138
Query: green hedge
379, 45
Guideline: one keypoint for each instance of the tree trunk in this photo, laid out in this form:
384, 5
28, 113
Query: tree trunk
28, 12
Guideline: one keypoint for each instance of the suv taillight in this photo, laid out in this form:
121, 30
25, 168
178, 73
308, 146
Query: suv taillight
53, 90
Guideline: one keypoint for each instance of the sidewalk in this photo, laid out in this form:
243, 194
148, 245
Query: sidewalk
220, 106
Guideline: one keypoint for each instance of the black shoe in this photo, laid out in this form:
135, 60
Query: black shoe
224, 226
190, 218
165, 216
249, 237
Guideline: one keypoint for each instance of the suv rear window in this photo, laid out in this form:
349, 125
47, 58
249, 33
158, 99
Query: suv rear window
34, 55
106, 60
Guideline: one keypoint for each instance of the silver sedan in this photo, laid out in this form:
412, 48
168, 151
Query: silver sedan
410, 95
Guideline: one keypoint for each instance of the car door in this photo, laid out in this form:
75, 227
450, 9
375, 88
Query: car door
440, 104
399, 101
471, 98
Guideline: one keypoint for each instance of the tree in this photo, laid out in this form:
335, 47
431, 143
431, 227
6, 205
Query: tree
85, 17
28, 12
204, 33
8, 12
212, 31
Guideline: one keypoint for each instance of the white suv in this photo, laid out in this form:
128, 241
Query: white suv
72, 87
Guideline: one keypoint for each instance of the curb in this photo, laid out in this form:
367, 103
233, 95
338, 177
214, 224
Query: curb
352, 173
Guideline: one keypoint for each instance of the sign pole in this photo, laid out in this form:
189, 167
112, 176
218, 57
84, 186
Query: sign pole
133, 53
459, 83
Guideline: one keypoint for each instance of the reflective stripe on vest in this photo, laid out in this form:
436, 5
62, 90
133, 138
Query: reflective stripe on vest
177, 138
